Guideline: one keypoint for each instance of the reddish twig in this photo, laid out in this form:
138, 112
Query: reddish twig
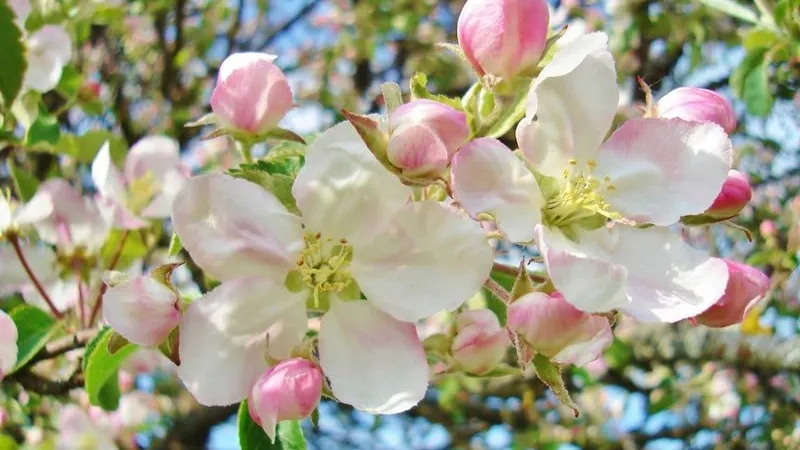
18, 250
111, 265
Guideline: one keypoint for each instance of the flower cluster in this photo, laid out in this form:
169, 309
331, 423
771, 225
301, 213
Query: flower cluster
322, 272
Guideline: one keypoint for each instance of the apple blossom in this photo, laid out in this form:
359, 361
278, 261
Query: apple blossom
549, 325
76, 431
153, 174
143, 310
74, 221
8, 344
289, 390
49, 50
746, 287
358, 233
698, 105
767, 228
503, 37
252, 94
424, 136
480, 342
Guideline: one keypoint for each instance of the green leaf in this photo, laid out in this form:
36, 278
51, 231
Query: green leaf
8, 443
100, 368
276, 173
507, 112
419, 90
34, 329
25, 184
392, 96
12, 47
550, 374
133, 248
108, 396
44, 129
734, 9
175, 245
750, 82
289, 434
759, 38
618, 355
86, 146
70, 83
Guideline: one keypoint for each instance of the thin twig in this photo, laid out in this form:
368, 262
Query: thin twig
63, 345
18, 250
111, 265
81, 301
498, 291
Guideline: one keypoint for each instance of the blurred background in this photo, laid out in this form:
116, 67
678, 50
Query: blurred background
148, 66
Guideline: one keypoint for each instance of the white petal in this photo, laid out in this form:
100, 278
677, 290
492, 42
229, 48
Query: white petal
488, 178
574, 100
223, 341
161, 205
664, 169
156, 155
668, 280
431, 258
106, 177
373, 362
49, 50
142, 310
8, 344
580, 271
40, 259
235, 228
342, 190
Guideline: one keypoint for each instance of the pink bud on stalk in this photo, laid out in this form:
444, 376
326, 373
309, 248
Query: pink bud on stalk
746, 286
698, 105
556, 329
424, 136
252, 94
289, 390
767, 228
143, 310
503, 37
733, 197
480, 342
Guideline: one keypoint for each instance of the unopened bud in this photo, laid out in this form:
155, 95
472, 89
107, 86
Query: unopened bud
252, 94
289, 390
768, 229
424, 136
480, 342
746, 286
732, 198
503, 37
550, 326
698, 105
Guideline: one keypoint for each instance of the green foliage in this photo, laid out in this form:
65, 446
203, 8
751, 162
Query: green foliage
419, 90
12, 70
86, 146
175, 245
134, 247
34, 329
619, 354
289, 434
276, 172
734, 9
750, 82
44, 131
100, 367
550, 374
25, 184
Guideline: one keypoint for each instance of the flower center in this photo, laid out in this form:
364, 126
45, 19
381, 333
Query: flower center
141, 192
323, 267
581, 198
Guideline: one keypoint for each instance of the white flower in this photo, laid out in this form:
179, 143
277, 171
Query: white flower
649, 171
8, 344
358, 232
153, 175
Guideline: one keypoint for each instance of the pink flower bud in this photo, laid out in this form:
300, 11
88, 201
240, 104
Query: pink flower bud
252, 94
746, 286
480, 342
735, 194
556, 329
767, 228
698, 105
143, 310
425, 135
503, 37
288, 391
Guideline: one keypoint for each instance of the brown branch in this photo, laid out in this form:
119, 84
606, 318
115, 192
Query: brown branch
191, 430
103, 287
32, 276
43, 386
